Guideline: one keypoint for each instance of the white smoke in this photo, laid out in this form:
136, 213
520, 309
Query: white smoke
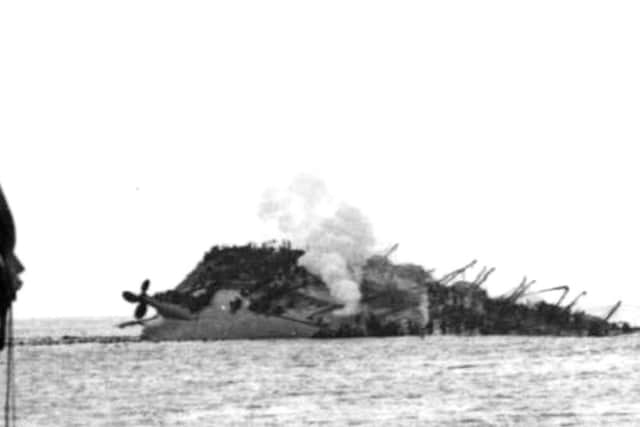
336, 237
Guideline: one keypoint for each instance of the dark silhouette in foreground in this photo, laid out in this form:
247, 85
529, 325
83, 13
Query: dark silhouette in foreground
10, 266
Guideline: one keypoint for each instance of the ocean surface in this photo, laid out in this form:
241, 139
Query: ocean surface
435, 381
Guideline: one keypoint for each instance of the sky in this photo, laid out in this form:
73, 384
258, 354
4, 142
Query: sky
134, 135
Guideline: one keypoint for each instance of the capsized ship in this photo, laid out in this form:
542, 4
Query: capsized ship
260, 291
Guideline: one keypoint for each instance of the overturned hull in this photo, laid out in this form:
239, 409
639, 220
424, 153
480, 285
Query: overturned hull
218, 321
254, 292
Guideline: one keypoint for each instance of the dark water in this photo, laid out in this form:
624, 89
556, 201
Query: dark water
437, 381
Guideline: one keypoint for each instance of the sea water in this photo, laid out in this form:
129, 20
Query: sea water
435, 381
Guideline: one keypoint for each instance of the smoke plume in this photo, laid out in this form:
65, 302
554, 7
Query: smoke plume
336, 237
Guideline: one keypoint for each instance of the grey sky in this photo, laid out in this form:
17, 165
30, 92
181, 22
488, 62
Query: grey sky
135, 135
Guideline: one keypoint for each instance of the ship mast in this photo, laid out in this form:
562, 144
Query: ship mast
575, 300
612, 311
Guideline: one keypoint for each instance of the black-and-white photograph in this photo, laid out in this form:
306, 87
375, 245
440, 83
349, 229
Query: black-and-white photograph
336, 213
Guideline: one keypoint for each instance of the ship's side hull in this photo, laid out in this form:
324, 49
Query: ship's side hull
217, 322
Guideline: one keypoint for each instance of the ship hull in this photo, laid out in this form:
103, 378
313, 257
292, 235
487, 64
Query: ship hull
218, 322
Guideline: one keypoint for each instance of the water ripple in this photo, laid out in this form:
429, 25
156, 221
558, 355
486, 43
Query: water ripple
437, 381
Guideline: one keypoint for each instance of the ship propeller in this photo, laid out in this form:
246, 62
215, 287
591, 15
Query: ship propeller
141, 308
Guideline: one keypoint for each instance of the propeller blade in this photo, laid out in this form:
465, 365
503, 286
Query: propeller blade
130, 297
145, 286
141, 310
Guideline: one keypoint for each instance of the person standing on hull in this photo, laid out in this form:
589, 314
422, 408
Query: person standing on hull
10, 266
